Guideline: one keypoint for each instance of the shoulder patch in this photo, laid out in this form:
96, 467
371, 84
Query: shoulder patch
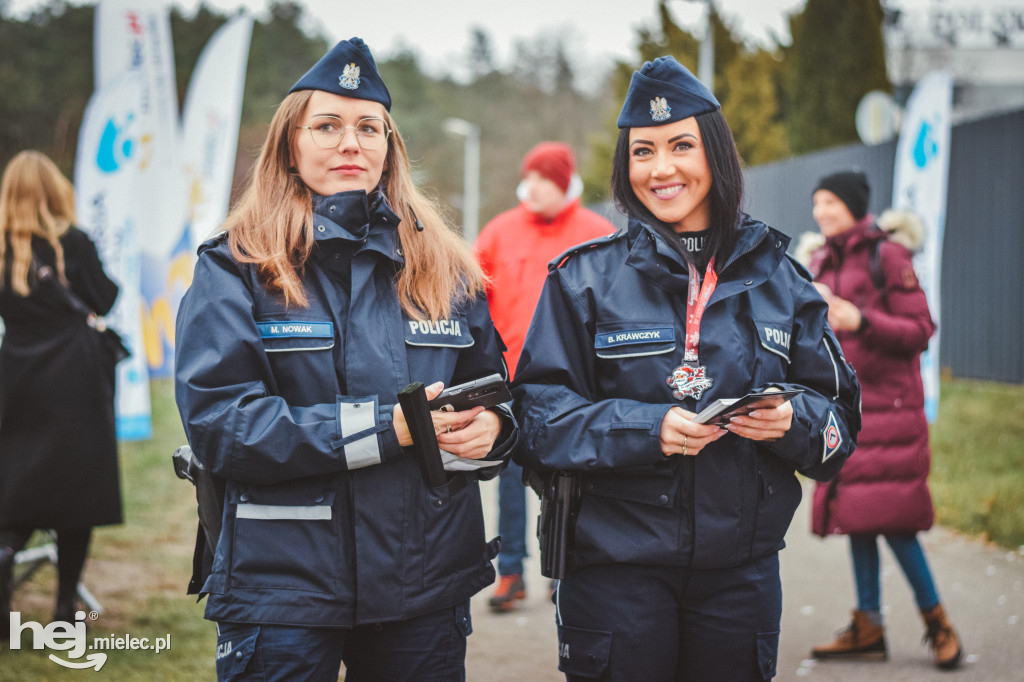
598, 242
896, 266
831, 436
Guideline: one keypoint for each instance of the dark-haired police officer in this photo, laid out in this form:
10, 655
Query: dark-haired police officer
674, 574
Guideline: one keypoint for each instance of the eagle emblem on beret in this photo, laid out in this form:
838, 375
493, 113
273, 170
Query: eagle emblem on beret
349, 77
660, 110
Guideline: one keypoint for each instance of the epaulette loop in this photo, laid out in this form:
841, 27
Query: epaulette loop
564, 258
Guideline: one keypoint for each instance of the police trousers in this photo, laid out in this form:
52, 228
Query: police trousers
623, 623
428, 648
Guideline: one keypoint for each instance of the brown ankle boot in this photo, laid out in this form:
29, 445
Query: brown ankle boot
861, 639
941, 637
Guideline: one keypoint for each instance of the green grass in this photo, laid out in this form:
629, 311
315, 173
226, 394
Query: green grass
977, 476
139, 570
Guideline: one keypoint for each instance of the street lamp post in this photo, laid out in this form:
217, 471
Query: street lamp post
706, 66
706, 57
470, 174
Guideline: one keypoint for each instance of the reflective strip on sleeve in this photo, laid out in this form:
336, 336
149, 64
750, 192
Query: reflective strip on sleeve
356, 417
275, 512
835, 367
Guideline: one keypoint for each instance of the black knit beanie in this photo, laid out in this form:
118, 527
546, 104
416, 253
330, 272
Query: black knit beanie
850, 186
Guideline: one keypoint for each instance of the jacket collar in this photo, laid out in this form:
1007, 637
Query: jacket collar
357, 217
757, 253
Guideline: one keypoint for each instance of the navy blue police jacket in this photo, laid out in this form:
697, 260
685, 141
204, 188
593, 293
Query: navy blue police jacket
327, 519
595, 382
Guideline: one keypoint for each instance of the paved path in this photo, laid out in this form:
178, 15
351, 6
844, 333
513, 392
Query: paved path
981, 586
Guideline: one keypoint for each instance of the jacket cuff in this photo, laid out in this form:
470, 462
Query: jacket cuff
864, 322
360, 428
508, 437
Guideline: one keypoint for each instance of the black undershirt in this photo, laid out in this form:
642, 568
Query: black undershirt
694, 243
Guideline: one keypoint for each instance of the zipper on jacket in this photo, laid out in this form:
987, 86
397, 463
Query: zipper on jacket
737, 256
766, 487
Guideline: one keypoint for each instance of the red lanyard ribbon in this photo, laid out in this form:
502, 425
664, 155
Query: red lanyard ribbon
696, 301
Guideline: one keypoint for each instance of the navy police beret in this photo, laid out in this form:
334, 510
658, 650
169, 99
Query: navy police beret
664, 91
347, 70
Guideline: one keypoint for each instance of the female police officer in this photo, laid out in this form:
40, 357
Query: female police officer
334, 285
674, 573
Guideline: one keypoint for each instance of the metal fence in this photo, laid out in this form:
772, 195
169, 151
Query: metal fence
982, 288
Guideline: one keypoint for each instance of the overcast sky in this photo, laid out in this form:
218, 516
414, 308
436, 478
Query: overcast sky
439, 30
596, 31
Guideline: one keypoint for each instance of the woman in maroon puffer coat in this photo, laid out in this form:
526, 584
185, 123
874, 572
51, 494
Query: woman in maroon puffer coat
880, 316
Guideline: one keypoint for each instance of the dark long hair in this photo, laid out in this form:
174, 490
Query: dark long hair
726, 188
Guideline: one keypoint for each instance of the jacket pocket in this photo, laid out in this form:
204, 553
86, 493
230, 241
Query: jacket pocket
284, 537
453, 532
778, 495
630, 354
301, 356
583, 652
433, 347
767, 653
628, 518
773, 350
236, 644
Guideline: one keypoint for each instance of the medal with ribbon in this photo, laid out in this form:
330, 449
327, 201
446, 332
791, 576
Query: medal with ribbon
690, 379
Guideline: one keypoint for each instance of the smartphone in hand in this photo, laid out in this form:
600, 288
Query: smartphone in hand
486, 392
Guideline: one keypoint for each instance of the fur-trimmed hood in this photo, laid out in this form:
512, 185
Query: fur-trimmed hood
806, 245
904, 228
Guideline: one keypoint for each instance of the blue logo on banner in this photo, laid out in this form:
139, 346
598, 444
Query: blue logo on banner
115, 147
925, 146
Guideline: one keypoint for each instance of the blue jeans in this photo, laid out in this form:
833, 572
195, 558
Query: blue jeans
511, 520
427, 648
909, 554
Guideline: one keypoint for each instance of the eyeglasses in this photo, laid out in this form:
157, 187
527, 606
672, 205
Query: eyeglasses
328, 131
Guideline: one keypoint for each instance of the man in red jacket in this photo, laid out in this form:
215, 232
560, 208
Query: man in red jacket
514, 250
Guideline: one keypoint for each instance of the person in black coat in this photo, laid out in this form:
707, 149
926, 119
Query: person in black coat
58, 449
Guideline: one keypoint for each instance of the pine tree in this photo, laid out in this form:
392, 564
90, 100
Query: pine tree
837, 56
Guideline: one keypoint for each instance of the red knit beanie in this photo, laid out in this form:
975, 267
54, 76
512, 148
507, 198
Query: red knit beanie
553, 160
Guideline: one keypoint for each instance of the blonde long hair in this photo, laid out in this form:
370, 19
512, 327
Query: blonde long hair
272, 225
35, 200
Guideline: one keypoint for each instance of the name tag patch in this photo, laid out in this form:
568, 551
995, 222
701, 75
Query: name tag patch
629, 337
774, 338
297, 329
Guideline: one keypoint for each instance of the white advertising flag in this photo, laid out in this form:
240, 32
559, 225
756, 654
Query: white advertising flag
113, 141
920, 183
136, 34
210, 121
210, 125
